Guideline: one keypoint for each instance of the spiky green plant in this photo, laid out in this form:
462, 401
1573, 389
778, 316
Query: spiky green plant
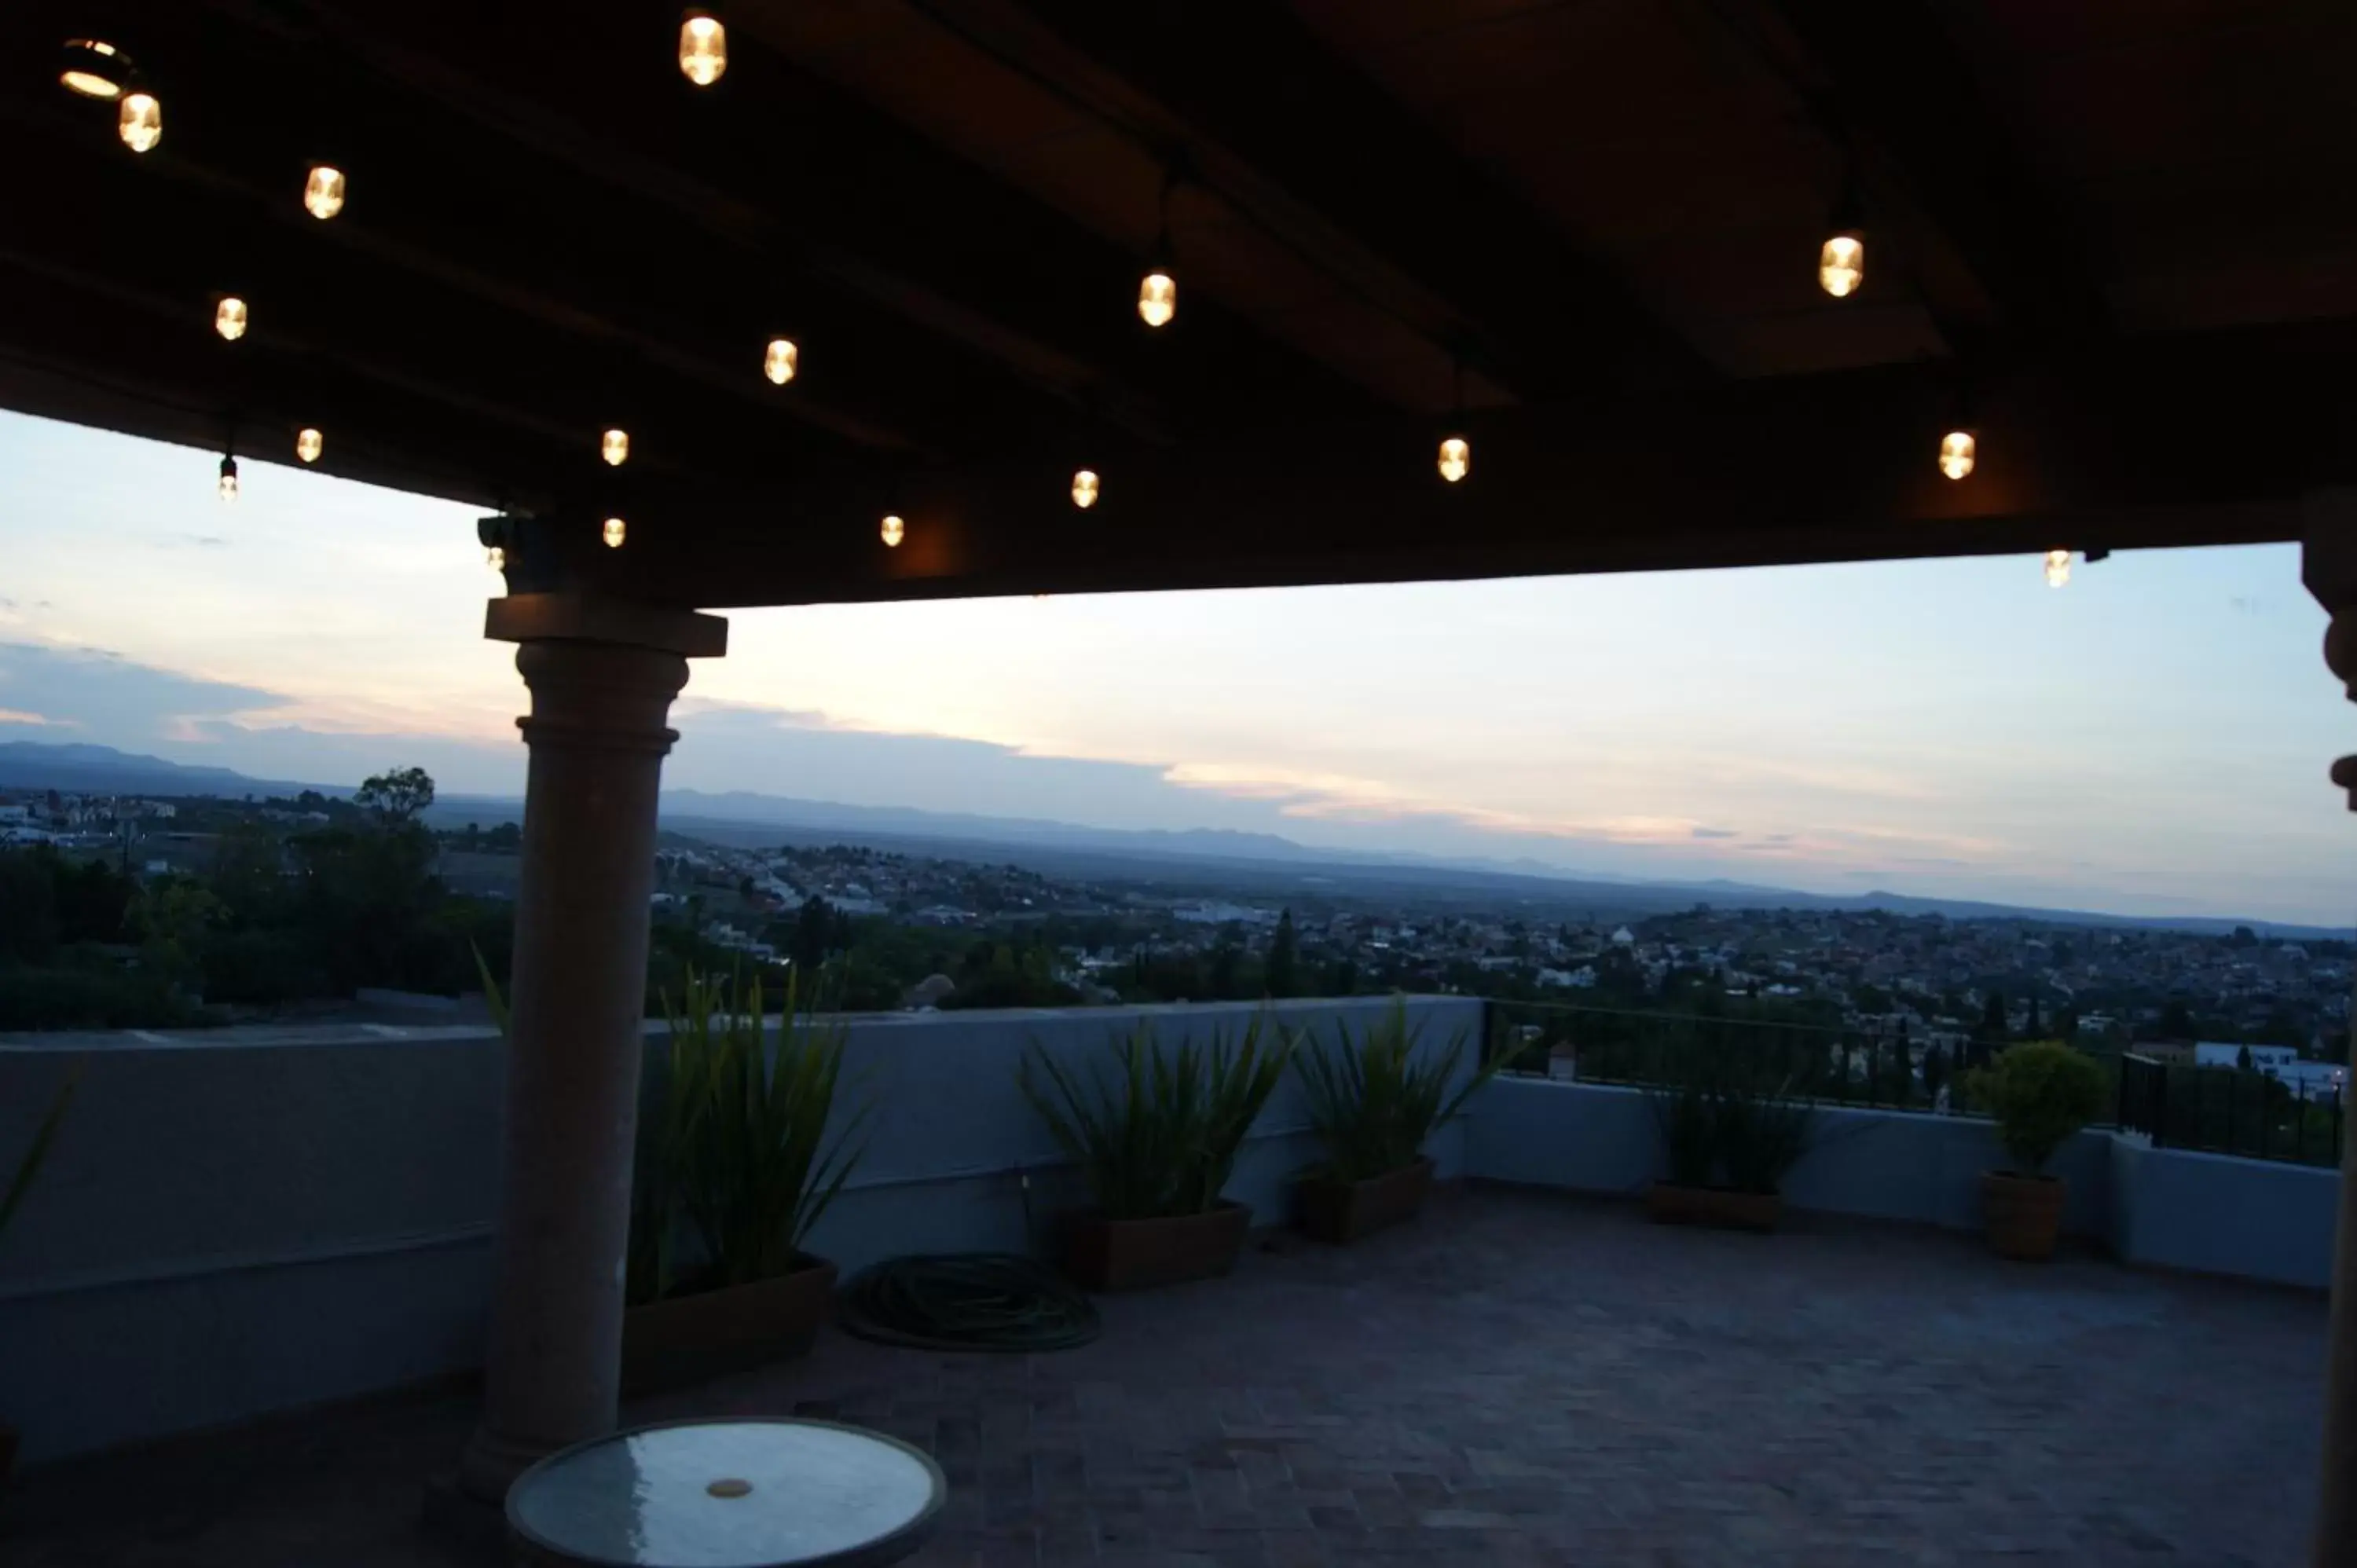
1762, 1135
28, 1166
740, 1136
1161, 1139
1373, 1103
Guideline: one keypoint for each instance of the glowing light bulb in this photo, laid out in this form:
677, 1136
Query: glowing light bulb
227, 488
93, 67
703, 48
893, 532
2057, 568
308, 443
1085, 488
229, 318
1840, 264
1958, 451
780, 362
323, 191
1158, 298
140, 121
614, 532
1456, 458
615, 447
495, 558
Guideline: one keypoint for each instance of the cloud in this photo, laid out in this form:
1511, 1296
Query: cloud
1715, 834
18, 717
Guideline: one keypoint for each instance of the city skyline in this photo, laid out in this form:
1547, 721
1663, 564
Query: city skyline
2151, 740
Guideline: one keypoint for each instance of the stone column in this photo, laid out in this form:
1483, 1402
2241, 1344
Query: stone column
2329, 567
602, 676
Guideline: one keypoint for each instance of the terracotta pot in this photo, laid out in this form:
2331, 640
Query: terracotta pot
2024, 1214
690, 1339
1136, 1254
1342, 1211
1722, 1207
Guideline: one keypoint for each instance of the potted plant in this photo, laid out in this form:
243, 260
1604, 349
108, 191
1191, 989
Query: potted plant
2041, 1092
1155, 1147
1726, 1145
28, 1166
1373, 1105
735, 1161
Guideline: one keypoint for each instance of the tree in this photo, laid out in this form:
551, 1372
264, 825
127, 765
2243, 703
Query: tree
1935, 1071
396, 798
2175, 1022
2242, 1060
1284, 953
812, 928
2031, 1027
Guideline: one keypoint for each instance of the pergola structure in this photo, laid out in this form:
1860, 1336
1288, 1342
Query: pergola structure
2110, 240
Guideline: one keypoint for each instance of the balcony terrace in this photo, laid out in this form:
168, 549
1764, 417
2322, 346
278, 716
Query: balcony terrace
237, 1230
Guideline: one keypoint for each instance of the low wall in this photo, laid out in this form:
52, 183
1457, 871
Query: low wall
245, 1221
2163, 1208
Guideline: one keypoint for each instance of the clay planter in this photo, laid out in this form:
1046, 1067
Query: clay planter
1137, 1254
1342, 1211
1721, 1207
690, 1339
2024, 1214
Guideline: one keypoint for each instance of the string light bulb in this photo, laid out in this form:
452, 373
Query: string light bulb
323, 191
1085, 488
893, 530
614, 445
230, 318
139, 120
94, 69
309, 444
614, 532
1158, 298
702, 47
496, 559
780, 360
227, 488
2057, 568
1456, 458
1959, 450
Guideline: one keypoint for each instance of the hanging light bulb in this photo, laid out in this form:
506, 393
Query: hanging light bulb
1840, 264
227, 488
495, 558
702, 47
614, 532
323, 191
894, 531
93, 67
309, 444
614, 445
1085, 488
780, 359
1158, 298
1456, 458
229, 318
1959, 449
2057, 568
140, 121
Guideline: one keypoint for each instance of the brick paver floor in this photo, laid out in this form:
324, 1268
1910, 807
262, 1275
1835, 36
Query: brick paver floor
1518, 1379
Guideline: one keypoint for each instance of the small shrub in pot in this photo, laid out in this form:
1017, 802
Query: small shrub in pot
2041, 1092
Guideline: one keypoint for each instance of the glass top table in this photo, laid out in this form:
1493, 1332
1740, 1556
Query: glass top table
728, 1494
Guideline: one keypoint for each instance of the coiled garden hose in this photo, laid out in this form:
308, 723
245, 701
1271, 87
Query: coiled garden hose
966, 1301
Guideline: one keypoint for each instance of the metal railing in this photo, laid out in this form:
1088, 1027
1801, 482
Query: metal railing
2226, 1111
1603, 1045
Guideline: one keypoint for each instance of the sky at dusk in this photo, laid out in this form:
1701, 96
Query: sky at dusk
2152, 740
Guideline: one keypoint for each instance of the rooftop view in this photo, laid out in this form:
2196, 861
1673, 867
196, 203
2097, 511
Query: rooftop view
1267, 782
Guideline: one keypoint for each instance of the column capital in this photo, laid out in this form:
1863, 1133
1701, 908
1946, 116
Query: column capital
580, 618
2327, 567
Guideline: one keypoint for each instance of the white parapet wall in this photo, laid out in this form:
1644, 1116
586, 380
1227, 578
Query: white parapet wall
251, 1220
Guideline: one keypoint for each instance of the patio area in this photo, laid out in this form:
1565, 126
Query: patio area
1519, 1377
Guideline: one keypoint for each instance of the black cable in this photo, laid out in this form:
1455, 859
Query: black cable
966, 1301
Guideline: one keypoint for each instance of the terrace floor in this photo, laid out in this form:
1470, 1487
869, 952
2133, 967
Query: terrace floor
1519, 1378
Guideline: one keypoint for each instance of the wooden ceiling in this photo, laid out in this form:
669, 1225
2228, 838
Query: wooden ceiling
2113, 234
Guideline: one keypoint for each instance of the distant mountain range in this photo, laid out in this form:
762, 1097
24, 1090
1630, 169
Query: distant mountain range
1207, 858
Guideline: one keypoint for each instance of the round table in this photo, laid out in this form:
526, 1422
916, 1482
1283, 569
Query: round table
728, 1494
